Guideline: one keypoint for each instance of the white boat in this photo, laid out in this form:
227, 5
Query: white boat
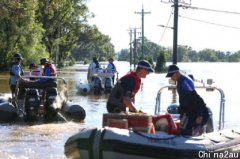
115, 143
122, 139
98, 82
83, 86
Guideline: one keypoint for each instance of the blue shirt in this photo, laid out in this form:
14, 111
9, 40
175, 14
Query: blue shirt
17, 71
190, 102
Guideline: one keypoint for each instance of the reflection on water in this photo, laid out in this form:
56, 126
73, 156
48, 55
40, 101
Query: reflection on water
4, 82
47, 140
38, 141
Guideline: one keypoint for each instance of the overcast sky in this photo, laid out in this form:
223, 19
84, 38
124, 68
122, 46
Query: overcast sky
115, 17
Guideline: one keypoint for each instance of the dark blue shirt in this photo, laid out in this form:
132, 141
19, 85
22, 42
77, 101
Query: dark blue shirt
190, 102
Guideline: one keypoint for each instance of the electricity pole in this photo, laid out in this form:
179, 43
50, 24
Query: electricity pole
135, 48
130, 33
142, 13
175, 31
175, 25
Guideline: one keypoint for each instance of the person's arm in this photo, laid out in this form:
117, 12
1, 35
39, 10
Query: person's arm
129, 103
128, 85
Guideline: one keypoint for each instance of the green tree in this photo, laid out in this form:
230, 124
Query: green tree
63, 21
124, 55
208, 55
161, 62
19, 31
93, 43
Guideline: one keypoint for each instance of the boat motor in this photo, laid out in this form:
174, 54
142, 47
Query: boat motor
97, 85
108, 85
51, 104
32, 102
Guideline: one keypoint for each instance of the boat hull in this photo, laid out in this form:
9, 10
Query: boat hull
73, 112
8, 112
109, 143
69, 112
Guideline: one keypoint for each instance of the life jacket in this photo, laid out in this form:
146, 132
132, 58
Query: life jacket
52, 69
117, 93
136, 80
11, 72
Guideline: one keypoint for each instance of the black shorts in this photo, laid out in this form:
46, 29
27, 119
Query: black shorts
112, 108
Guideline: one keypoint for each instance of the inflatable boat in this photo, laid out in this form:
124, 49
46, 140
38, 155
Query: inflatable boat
116, 143
143, 136
46, 102
99, 82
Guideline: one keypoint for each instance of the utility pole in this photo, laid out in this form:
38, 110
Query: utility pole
130, 33
175, 32
175, 38
142, 14
175, 25
135, 48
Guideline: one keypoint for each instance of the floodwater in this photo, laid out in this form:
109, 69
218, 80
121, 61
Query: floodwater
47, 140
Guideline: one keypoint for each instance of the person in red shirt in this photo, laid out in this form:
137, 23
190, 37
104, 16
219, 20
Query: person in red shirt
123, 94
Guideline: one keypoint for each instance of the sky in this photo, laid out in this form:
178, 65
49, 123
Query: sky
115, 17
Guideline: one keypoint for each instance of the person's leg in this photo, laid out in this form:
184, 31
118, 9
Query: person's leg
13, 88
113, 78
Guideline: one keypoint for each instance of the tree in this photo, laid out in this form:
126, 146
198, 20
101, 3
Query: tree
161, 62
93, 43
124, 55
63, 21
19, 31
207, 55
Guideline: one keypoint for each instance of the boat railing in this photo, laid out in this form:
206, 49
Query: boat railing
103, 72
45, 77
208, 88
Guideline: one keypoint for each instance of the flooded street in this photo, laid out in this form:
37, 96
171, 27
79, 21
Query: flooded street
23, 141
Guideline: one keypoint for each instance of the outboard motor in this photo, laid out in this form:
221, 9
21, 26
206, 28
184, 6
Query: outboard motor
97, 85
108, 85
32, 102
51, 104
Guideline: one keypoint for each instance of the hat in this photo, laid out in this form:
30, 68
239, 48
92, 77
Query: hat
43, 61
171, 70
18, 56
145, 64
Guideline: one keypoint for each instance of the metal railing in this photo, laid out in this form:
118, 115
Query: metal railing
208, 88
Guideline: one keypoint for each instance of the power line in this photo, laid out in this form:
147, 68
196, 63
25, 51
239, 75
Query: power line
212, 10
227, 26
167, 26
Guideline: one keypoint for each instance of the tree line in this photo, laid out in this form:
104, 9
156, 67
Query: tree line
159, 54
